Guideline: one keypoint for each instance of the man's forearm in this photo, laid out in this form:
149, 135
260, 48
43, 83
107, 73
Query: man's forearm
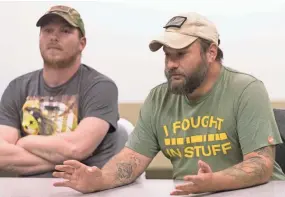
52, 148
123, 169
253, 171
16, 159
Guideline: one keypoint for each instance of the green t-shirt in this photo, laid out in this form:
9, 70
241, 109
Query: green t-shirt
233, 119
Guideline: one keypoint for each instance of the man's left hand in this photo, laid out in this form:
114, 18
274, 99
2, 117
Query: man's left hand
200, 183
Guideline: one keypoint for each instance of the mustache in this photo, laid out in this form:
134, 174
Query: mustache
54, 46
171, 73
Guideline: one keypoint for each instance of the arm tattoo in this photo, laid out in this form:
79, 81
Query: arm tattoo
268, 152
127, 171
253, 169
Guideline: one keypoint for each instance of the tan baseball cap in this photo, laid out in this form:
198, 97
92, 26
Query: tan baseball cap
184, 29
67, 13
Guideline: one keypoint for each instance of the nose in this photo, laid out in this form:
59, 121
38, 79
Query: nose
172, 64
54, 36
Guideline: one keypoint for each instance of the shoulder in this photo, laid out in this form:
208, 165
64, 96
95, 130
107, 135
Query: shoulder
246, 88
240, 81
93, 79
239, 77
158, 92
25, 80
159, 97
92, 75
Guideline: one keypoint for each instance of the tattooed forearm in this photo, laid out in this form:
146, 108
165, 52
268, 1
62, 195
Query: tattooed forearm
267, 152
127, 171
253, 168
124, 168
256, 168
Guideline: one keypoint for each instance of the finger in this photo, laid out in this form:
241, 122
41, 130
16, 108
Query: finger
200, 171
73, 163
65, 168
192, 178
205, 168
186, 187
63, 184
63, 175
179, 192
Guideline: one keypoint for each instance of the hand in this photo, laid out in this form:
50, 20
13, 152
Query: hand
21, 142
199, 183
25, 141
79, 177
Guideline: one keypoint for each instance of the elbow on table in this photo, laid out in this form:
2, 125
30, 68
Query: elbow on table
267, 174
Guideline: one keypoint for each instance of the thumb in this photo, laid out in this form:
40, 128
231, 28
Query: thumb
204, 167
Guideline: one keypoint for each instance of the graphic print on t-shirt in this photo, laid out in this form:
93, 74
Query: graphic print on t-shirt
196, 137
49, 115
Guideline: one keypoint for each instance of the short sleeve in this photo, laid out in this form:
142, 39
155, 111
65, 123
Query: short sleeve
256, 123
143, 139
9, 112
101, 101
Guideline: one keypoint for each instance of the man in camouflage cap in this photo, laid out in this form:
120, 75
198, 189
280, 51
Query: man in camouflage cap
62, 111
67, 13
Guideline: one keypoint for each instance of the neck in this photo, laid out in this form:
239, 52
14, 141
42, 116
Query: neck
211, 77
57, 76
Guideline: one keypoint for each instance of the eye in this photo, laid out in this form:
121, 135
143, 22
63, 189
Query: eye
66, 30
181, 54
47, 30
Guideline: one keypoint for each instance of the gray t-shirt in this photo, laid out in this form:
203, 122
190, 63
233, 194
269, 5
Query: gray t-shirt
33, 107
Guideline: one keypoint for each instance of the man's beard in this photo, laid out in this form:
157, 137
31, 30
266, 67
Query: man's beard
190, 83
61, 62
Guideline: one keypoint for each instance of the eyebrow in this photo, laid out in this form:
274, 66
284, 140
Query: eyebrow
62, 26
177, 50
56, 20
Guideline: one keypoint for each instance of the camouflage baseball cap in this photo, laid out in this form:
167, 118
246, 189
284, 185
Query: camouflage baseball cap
67, 13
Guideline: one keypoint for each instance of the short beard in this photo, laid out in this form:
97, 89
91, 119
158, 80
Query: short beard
62, 63
190, 83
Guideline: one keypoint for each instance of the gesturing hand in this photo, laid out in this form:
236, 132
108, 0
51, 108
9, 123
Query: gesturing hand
78, 176
199, 183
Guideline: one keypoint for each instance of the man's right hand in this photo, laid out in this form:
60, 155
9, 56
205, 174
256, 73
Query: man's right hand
120, 170
79, 177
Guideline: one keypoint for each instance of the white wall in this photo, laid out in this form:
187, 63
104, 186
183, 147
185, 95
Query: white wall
118, 33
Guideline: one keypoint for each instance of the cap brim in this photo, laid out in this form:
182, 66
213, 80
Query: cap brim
43, 19
173, 40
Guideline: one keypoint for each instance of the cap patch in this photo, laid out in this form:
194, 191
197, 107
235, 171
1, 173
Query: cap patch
176, 21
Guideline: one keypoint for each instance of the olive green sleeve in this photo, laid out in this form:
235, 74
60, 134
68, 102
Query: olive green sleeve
256, 125
143, 139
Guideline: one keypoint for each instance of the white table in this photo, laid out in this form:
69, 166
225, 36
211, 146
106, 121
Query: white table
43, 187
